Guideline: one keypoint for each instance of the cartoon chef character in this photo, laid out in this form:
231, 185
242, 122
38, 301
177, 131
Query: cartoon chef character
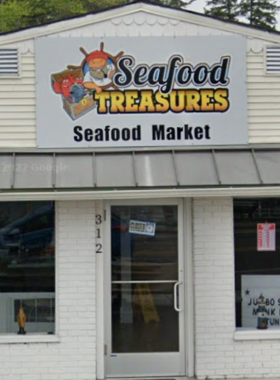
100, 71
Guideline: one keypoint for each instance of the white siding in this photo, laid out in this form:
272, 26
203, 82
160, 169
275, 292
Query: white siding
263, 102
17, 96
17, 106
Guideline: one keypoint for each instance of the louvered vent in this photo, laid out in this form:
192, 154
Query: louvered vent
9, 62
273, 59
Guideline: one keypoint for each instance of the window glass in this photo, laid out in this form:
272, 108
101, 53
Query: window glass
145, 256
257, 262
27, 266
144, 244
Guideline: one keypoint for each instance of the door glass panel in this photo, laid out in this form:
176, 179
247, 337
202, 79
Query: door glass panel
144, 273
144, 318
137, 257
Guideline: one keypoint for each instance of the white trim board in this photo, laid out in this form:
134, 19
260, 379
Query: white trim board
259, 191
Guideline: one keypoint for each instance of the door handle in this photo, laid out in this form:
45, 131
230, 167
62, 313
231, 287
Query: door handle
175, 296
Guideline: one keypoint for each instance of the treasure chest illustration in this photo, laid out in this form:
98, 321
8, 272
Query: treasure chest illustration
77, 85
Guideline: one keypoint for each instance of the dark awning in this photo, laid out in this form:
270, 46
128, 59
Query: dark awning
140, 169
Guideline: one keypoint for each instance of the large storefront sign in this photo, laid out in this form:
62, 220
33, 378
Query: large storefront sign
128, 92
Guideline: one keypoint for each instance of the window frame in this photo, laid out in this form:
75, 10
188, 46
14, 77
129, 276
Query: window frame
251, 333
12, 338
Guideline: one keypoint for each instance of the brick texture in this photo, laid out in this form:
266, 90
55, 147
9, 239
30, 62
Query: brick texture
74, 357
217, 355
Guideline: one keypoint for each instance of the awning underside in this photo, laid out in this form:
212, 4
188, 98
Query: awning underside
132, 169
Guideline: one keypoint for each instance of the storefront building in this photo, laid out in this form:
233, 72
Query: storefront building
140, 209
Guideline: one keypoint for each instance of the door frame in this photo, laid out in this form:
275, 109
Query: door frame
185, 245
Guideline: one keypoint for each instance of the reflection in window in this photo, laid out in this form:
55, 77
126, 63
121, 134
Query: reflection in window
36, 309
140, 256
144, 271
27, 266
257, 271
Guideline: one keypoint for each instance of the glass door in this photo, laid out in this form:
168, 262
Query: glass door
145, 292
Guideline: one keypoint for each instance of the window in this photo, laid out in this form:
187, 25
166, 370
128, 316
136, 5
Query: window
27, 266
257, 261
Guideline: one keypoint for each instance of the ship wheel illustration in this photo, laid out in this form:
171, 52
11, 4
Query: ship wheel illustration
98, 68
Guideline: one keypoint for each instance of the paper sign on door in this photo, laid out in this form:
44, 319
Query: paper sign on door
142, 228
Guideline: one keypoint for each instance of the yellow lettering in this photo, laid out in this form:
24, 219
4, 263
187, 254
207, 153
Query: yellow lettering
117, 102
221, 98
192, 100
162, 102
206, 96
146, 102
101, 98
130, 97
177, 101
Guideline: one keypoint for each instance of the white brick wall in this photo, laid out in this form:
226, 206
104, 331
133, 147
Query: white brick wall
74, 357
217, 355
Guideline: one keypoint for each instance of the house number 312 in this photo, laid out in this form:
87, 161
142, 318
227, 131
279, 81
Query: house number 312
98, 222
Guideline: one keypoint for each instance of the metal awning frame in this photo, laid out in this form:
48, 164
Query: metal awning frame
93, 190
54, 195
16, 154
